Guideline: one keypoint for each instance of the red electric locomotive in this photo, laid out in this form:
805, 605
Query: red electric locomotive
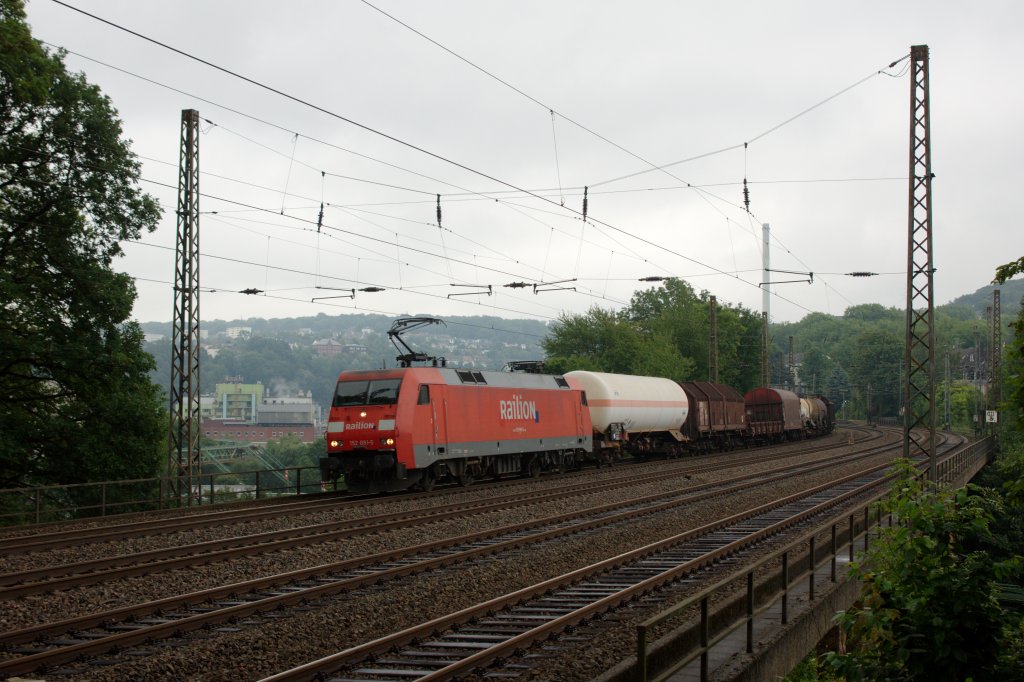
392, 429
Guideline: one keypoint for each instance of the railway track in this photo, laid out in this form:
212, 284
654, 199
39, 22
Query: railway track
43, 579
47, 536
467, 641
133, 625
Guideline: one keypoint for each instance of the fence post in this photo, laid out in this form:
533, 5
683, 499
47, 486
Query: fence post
834, 552
851, 537
298, 481
641, 651
785, 587
811, 559
257, 484
38, 503
704, 639
750, 612
103, 499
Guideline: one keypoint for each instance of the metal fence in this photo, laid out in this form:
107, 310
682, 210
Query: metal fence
717, 611
84, 500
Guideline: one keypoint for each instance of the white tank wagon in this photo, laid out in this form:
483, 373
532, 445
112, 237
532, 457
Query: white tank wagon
642, 414
805, 411
814, 415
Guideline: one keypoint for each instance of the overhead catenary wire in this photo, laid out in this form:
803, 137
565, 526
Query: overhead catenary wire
505, 203
390, 313
344, 231
558, 168
612, 227
239, 261
356, 208
688, 186
384, 258
288, 177
757, 137
476, 195
408, 144
384, 135
296, 99
697, 262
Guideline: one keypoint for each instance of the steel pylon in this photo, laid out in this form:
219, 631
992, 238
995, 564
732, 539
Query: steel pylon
919, 412
183, 461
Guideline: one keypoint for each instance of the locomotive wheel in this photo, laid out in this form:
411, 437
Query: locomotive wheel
428, 480
533, 468
465, 477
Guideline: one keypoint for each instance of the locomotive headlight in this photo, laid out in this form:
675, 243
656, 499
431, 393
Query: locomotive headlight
389, 441
334, 443
363, 414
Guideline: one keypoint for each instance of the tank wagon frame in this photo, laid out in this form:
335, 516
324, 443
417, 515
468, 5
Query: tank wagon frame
642, 416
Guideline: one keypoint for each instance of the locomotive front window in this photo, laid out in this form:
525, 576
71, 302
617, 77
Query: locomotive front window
375, 392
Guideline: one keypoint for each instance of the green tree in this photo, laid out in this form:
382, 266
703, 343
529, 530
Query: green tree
875, 359
605, 341
929, 607
1005, 272
1013, 395
75, 399
677, 312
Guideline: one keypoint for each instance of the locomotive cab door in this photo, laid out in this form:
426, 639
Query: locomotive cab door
430, 414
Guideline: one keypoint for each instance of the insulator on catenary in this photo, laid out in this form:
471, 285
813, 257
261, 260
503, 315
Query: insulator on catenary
746, 196
439, 210
584, 204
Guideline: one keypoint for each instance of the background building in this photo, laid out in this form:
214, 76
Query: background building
242, 412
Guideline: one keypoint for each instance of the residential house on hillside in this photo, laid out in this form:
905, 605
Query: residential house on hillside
327, 347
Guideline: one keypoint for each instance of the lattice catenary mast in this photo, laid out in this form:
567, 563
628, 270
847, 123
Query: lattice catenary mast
919, 354
713, 341
996, 362
183, 461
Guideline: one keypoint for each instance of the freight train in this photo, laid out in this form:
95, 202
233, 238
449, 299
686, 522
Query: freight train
396, 429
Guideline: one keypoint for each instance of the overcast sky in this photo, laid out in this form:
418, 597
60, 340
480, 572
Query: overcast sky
631, 84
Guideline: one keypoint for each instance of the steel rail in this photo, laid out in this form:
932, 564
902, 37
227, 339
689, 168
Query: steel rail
683, 496
67, 537
238, 610
18, 584
355, 655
